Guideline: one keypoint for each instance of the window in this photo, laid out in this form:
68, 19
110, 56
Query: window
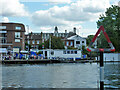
68, 52
82, 41
3, 41
2, 27
71, 43
64, 52
77, 42
38, 42
18, 28
52, 52
17, 40
67, 43
17, 34
33, 42
71, 52
75, 52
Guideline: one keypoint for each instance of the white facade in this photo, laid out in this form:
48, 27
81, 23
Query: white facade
49, 53
78, 41
111, 56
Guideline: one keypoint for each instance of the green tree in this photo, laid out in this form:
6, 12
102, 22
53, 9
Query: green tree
27, 46
56, 43
111, 22
84, 51
89, 39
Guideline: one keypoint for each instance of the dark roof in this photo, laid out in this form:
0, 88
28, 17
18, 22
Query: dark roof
36, 36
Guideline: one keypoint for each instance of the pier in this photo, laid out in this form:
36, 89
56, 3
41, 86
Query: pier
44, 61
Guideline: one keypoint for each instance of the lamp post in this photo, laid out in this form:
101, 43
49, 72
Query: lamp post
28, 35
50, 46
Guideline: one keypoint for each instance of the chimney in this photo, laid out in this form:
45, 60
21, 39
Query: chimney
74, 30
65, 31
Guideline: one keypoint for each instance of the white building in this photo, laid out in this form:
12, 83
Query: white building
68, 54
75, 41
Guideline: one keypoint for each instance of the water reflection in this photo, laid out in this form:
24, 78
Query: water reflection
112, 75
51, 76
69, 75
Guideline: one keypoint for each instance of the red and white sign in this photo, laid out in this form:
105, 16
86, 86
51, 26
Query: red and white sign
101, 49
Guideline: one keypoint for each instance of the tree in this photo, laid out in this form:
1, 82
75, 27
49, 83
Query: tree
89, 39
27, 46
84, 51
56, 43
111, 22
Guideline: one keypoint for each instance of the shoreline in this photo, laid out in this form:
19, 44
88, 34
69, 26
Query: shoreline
48, 61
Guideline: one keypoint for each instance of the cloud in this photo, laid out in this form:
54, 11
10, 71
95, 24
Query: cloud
45, 18
74, 13
5, 19
60, 1
12, 8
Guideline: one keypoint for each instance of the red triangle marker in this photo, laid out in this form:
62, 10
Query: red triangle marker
111, 49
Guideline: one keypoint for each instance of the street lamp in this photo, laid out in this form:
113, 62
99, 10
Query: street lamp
28, 35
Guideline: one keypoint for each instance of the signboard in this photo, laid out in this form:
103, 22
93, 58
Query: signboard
111, 49
16, 50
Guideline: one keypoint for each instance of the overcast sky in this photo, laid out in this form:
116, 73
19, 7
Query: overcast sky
44, 15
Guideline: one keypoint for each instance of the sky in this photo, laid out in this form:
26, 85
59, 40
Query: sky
43, 15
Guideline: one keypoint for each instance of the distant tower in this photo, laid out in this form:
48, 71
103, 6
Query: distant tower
74, 30
56, 30
65, 31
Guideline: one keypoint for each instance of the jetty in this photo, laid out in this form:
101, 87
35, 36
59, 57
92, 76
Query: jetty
44, 61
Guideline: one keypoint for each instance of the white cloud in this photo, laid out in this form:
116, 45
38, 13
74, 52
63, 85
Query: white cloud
12, 8
45, 18
80, 11
60, 1
5, 19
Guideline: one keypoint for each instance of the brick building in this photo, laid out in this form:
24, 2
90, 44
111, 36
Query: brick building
34, 39
12, 36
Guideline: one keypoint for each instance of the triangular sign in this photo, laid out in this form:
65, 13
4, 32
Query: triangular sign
111, 49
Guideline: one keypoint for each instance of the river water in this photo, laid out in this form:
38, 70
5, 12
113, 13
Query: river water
63, 75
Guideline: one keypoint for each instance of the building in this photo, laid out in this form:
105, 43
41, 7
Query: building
34, 39
75, 41
12, 37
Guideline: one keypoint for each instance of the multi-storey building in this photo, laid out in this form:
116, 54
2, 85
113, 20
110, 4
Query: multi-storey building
34, 39
12, 36
75, 41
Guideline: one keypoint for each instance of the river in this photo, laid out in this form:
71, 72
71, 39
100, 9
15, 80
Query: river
62, 75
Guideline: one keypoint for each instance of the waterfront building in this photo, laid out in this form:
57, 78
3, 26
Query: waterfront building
12, 37
75, 41
34, 39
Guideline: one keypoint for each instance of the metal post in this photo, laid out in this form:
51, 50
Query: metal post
50, 47
101, 71
28, 37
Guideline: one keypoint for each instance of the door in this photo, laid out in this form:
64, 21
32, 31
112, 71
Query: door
45, 54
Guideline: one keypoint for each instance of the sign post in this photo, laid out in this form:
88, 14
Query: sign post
101, 71
101, 51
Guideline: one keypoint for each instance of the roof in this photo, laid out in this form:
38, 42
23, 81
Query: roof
36, 36
74, 37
